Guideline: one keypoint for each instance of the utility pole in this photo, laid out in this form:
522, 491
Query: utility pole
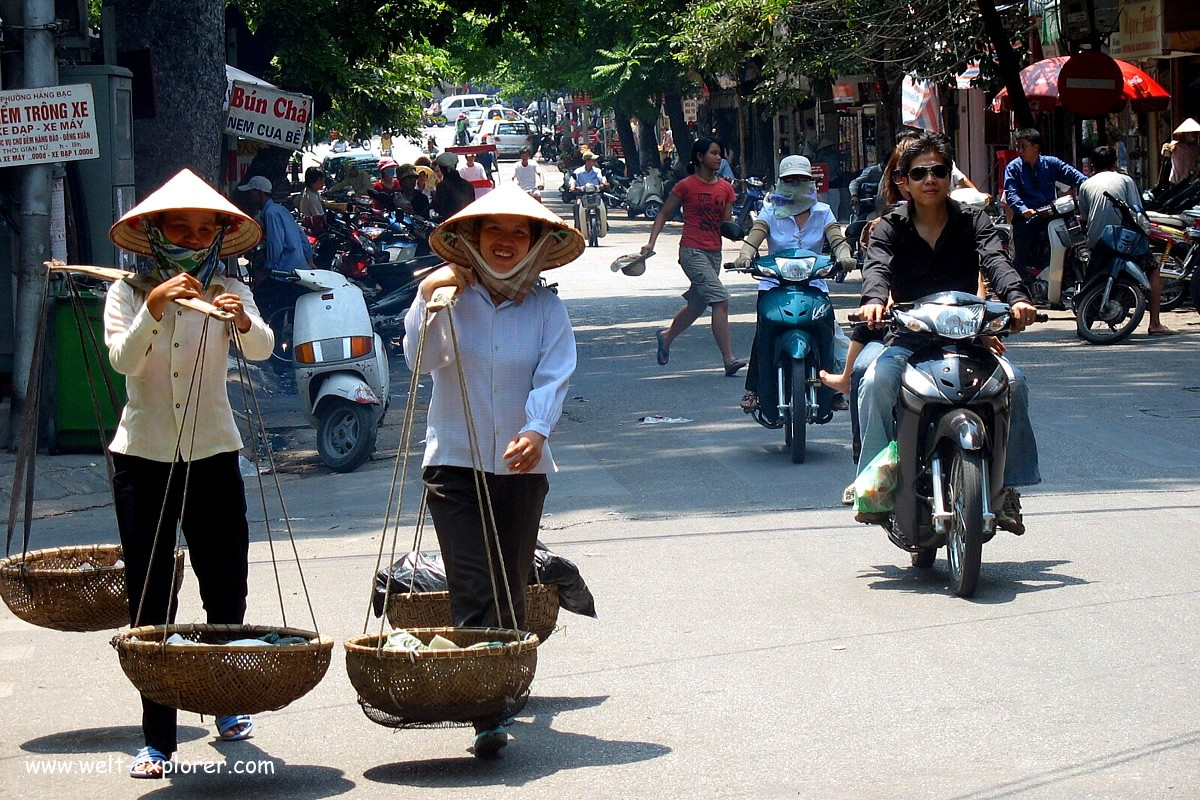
41, 69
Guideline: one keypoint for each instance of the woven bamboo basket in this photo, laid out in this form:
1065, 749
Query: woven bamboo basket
47, 588
432, 610
443, 688
218, 679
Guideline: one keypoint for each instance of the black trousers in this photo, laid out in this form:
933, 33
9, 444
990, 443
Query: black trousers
218, 539
517, 501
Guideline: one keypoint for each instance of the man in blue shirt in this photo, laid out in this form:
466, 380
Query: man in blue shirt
1029, 184
287, 246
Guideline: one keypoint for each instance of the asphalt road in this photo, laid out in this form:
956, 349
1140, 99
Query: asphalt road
752, 641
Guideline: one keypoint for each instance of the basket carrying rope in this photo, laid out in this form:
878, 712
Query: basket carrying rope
79, 588
204, 674
441, 688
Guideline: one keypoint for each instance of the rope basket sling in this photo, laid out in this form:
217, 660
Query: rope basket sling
440, 688
79, 588
203, 673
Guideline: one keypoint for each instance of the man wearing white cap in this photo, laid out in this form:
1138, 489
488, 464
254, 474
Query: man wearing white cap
287, 247
1185, 150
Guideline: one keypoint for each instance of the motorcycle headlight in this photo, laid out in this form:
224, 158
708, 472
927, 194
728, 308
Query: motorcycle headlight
997, 324
795, 269
958, 322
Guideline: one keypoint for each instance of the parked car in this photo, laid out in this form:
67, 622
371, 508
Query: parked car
509, 137
334, 165
474, 117
451, 105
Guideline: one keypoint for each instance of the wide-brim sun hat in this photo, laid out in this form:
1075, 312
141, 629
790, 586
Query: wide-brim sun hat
187, 191
1189, 125
513, 201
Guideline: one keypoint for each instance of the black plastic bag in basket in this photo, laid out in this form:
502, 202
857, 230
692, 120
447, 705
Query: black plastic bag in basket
430, 576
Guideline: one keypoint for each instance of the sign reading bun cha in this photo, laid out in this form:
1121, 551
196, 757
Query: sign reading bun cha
267, 114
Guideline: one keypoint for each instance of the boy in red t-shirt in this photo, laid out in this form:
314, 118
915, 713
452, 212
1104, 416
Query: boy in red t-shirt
707, 202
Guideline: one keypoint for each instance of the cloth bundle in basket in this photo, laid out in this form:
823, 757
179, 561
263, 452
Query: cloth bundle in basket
432, 609
71, 588
220, 679
424, 572
443, 688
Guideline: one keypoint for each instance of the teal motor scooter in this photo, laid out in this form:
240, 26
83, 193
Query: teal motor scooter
798, 321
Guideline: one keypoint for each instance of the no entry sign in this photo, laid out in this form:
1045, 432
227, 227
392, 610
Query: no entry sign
57, 123
1090, 84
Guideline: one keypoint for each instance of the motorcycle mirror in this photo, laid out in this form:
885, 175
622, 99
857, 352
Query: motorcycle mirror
732, 231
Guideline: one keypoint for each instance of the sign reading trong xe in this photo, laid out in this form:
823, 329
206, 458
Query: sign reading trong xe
57, 123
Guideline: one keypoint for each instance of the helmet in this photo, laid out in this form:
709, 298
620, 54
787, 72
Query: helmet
387, 163
462, 115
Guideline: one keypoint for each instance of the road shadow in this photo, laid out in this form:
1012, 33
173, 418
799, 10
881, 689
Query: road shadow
537, 752
264, 776
118, 738
999, 581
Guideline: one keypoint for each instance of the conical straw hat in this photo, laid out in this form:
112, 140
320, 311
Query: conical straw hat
1189, 125
513, 201
186, 191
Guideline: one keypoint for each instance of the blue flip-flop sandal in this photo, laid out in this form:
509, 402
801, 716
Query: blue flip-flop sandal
148, 757
226, 724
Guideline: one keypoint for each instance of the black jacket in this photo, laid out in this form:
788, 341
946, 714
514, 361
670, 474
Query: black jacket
899, 260
452, 195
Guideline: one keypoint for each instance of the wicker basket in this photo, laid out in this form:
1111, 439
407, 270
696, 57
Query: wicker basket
432, 610
217, 679
443, 688
47, 588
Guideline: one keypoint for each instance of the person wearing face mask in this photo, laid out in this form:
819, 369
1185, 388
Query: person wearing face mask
791, 218
175, 451
517, 354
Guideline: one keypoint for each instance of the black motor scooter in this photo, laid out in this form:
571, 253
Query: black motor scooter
952, 424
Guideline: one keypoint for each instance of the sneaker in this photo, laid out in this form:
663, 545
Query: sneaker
490, 742
848, 495
1009, 516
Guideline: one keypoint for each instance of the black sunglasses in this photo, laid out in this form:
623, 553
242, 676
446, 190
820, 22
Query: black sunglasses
940, 171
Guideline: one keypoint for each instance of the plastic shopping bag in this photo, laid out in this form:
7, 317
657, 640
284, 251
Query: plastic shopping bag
874, 485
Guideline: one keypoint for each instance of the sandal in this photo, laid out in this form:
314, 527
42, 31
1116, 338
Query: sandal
732, 367
1163, 332
148, 763
225, 725
848, 495
664, 353
749, 401
490, 742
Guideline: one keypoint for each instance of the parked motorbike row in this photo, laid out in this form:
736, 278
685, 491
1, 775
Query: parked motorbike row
1174, 214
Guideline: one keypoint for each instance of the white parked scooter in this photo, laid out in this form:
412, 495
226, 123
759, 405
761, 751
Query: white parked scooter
341, 368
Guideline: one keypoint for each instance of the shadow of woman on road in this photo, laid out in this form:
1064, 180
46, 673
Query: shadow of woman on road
537, 752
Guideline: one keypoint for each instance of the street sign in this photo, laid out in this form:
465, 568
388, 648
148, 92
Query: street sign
269, 115
40, 126
1090, 84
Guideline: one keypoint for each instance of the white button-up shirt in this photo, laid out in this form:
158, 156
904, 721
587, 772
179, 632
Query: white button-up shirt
158, 358
517, 361
785, 234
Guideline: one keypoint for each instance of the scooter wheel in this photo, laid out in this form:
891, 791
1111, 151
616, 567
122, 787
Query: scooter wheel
345, 434
1114, 321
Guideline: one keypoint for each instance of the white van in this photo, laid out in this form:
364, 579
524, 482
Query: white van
460, 102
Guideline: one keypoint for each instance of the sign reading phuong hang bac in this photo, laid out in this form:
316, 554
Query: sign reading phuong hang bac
56, 123
269, 115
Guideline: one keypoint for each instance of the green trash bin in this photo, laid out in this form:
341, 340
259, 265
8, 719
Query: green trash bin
72, 425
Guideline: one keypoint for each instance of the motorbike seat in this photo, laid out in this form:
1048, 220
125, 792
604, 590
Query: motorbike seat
1169, 220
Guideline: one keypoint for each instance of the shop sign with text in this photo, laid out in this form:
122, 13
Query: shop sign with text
269, 115
41, 126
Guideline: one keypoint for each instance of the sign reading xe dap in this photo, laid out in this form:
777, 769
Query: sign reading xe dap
269, 115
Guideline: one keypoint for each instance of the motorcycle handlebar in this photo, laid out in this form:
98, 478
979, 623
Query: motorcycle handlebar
855, 317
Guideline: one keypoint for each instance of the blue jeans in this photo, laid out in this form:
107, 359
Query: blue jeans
866, 357
877, 401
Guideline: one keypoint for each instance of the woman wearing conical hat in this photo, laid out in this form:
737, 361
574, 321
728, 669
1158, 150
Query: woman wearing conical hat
185, 229
1185, 150
517, 354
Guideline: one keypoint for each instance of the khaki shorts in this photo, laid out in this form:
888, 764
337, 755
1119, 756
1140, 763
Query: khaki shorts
703, 269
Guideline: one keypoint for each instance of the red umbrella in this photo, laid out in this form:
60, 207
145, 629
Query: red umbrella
1040, 82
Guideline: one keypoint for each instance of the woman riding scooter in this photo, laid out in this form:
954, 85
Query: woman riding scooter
792, 218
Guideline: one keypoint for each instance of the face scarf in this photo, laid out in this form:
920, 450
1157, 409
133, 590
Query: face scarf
170, 259
790, 199
517, 282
